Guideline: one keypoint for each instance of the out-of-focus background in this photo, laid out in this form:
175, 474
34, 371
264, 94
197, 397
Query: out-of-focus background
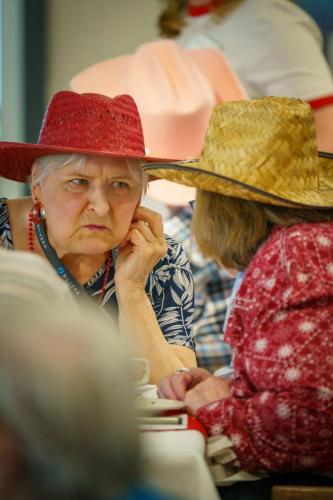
43, 43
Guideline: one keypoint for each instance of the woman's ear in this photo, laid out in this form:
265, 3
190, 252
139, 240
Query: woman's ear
36, 192
35, 187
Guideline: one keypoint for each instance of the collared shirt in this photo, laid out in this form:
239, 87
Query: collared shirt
235, 288
212, 287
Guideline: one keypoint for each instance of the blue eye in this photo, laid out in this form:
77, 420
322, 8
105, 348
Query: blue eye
120, 185
78, 182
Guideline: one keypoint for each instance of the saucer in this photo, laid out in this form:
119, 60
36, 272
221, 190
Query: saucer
152, 406
146, 391
145, 387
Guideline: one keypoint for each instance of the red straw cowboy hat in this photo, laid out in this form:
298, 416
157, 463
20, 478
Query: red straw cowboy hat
175, 90
91, 124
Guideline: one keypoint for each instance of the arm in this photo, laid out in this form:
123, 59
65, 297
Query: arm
279, 414
285, 425
289, 58
144, 247
212, 288
274, 431
176, 386
144, 332
288, 48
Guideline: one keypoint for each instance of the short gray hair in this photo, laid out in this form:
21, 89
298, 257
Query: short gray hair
43, 165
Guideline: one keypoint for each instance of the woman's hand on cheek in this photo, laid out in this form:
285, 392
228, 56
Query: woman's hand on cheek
212, 389
143, 246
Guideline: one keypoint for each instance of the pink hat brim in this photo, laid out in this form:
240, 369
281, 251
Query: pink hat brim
176, 103
171, 193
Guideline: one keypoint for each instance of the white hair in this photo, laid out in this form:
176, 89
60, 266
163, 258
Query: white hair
43, 165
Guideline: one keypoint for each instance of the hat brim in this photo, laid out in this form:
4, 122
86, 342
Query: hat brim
190, 173
16, 158
170, 193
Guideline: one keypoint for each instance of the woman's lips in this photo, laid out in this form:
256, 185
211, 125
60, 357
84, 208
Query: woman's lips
95, 227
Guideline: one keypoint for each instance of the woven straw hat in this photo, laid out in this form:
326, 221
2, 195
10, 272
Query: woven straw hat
91, 124
262, 150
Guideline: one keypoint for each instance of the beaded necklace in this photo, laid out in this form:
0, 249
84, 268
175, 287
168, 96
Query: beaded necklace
35, 219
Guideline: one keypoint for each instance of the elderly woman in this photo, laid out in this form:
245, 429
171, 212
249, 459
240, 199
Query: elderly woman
264, 206
174, 114
255, 36
84, 216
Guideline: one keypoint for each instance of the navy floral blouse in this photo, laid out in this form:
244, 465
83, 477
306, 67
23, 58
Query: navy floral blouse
169, 287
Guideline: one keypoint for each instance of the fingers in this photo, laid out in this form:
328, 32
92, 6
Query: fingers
198, 397
191, 401
153, 219
165, 389
181, 383
140, 234
142, 226
135, 237
196, 388
175, 386
210, 390
199, 375
150, 224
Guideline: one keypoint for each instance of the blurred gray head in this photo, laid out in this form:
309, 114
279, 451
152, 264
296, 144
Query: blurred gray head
28, 280
66, 394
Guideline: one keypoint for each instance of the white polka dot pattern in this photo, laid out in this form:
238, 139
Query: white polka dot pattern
280, 414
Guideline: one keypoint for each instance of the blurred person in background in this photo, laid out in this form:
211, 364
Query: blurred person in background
66, 409
322, 12
274, 47
28, 281
85, 218
175, 91
264, 206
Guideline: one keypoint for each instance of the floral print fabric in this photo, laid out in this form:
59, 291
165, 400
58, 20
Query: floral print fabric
280, 414
169, 287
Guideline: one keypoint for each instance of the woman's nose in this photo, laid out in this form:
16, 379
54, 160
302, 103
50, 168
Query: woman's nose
99, 203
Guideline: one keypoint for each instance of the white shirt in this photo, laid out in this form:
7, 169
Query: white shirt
273, 46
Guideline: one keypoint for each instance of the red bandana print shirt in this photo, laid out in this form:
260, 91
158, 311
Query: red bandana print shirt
280, 414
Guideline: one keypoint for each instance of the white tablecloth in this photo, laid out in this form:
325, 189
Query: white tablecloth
175, 463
